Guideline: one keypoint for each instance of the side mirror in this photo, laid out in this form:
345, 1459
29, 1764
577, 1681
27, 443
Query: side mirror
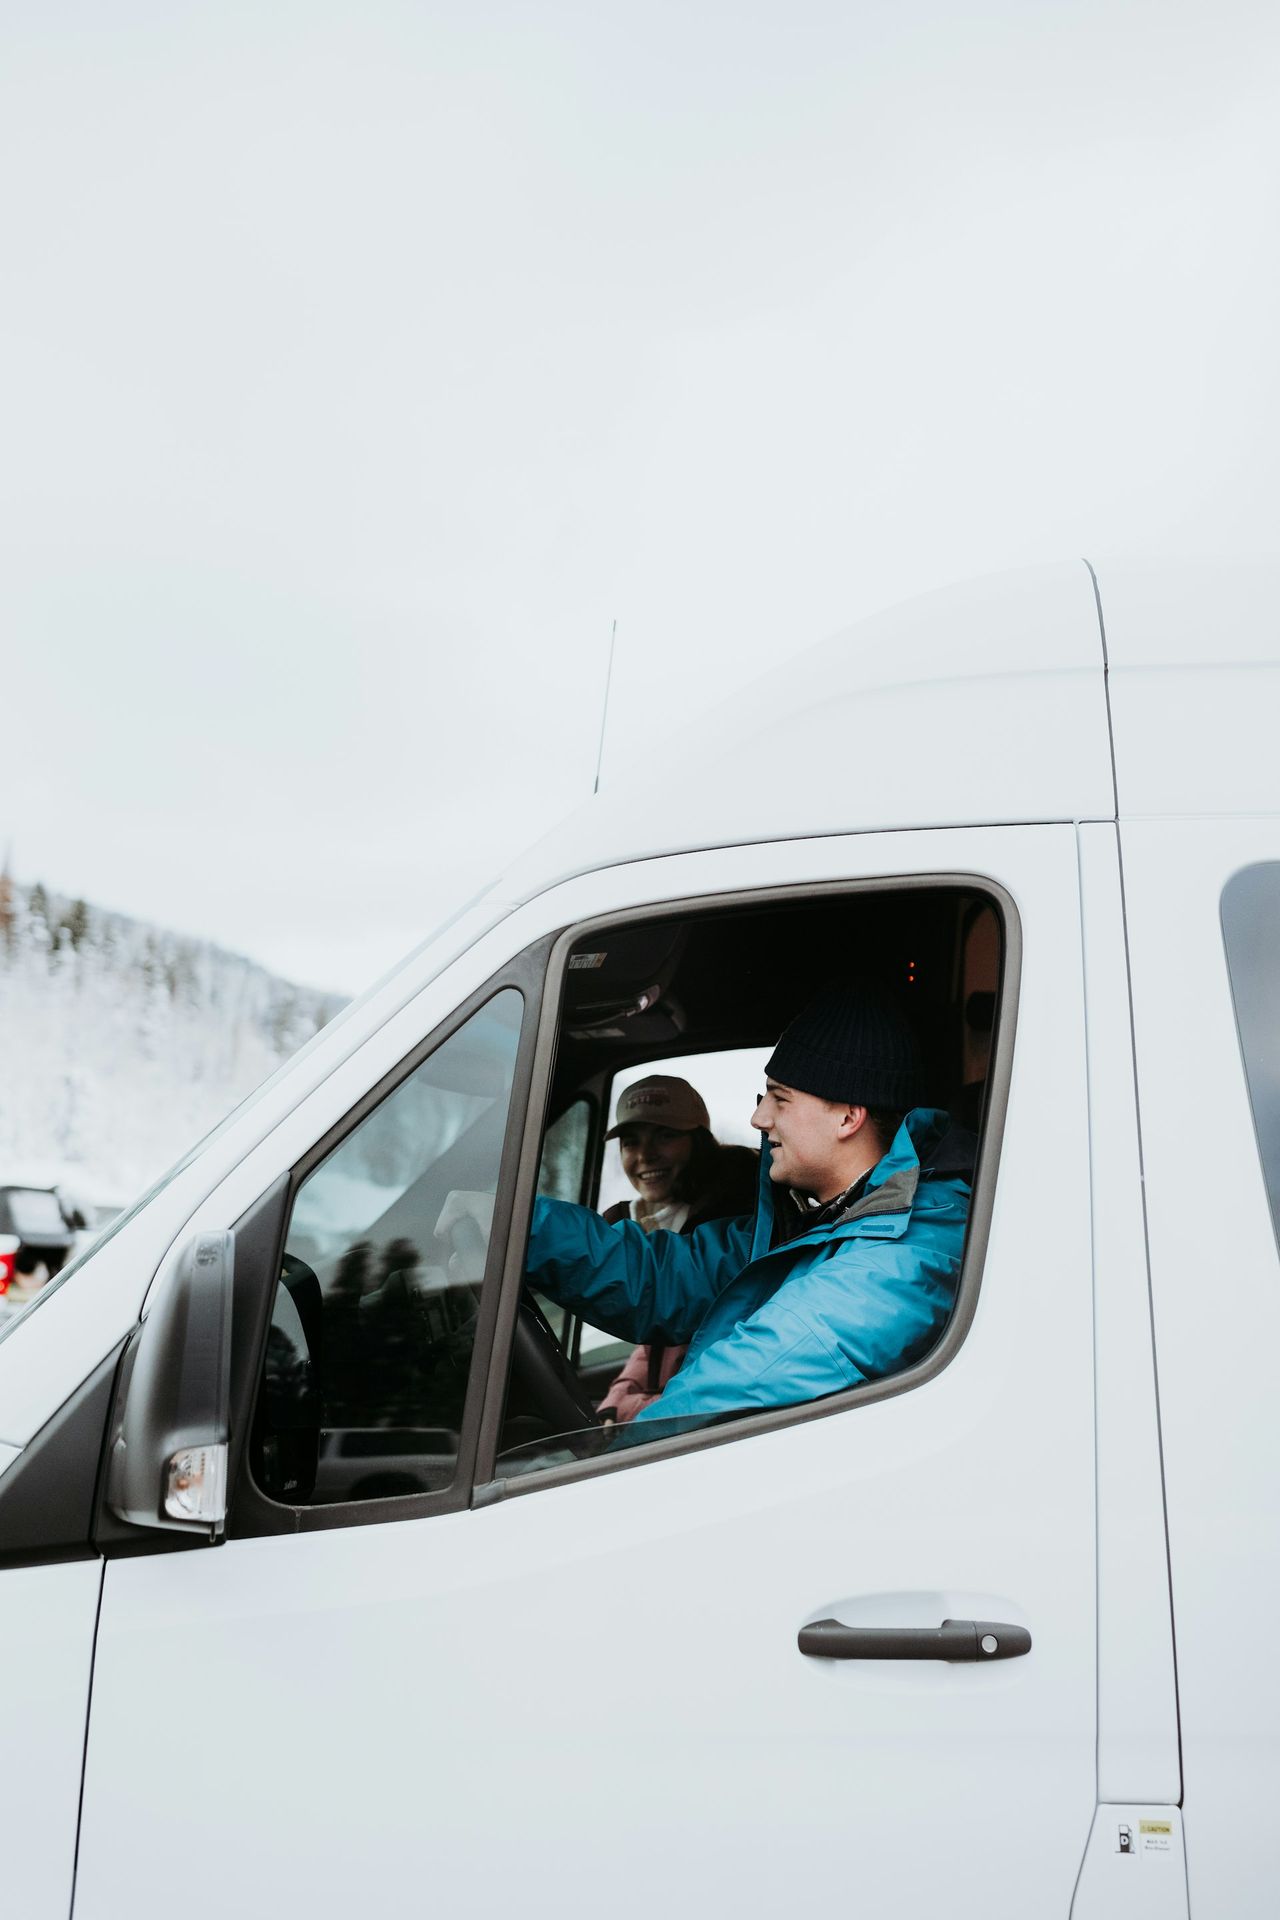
168, 1460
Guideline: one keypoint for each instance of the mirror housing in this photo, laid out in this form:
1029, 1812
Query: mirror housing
168, 1460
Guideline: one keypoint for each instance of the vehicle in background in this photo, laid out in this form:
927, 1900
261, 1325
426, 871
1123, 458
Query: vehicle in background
9, 1248
44, 1222
35, 1218
356, 1463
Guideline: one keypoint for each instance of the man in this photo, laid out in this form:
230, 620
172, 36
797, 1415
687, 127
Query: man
848, 1269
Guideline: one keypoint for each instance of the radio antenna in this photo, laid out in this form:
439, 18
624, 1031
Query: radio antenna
604, 717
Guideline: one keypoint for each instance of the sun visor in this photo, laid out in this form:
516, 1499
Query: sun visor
617, 982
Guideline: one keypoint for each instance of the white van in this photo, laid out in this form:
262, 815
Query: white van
437, 1645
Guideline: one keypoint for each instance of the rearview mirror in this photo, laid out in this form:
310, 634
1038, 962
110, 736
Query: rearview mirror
168, 1463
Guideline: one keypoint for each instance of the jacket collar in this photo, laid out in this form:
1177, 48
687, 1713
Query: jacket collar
891, 1186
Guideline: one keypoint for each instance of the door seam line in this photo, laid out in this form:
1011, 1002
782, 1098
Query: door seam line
84, 1751
1142, 1190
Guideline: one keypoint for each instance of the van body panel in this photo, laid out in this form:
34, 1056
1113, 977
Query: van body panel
1135, 1868
49, 1615
1194, 674
384, 1690
1138, 1758
1216, 1293
352, 1712
982, 703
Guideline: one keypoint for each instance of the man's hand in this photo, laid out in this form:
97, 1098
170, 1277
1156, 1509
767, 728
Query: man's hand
466, 1221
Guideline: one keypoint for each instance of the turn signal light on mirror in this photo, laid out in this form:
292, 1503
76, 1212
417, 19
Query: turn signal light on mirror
196, 1485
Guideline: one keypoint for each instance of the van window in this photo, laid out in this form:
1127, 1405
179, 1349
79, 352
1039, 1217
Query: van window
673, 1020
370, 1347
562, 1175
1251, 932
563, 1168
729, 1083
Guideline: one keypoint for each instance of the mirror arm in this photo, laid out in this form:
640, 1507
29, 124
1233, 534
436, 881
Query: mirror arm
167, 1466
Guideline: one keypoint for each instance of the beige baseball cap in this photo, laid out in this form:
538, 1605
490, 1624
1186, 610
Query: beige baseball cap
661, 1101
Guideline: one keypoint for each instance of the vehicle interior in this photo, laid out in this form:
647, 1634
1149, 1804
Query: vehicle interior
369, 1358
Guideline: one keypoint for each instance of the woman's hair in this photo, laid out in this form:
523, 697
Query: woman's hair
702, 1169
718, 1181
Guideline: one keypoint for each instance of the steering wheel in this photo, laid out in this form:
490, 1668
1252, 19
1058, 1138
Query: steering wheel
538, 1362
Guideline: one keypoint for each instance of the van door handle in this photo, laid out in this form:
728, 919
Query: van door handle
953, 1640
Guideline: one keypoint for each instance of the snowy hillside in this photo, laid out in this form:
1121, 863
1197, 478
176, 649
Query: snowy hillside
122, 1043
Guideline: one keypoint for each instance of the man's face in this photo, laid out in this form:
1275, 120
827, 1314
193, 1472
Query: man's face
806, 1135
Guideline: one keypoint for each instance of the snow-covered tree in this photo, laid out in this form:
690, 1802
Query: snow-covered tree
123, 1043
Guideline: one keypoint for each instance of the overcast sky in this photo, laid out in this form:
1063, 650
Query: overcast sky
363, 362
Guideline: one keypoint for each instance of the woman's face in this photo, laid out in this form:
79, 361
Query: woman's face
653, 1158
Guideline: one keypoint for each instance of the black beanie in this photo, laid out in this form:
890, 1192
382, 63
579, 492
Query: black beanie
850, 1044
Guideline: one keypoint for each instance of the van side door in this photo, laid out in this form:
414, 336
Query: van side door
472, 1698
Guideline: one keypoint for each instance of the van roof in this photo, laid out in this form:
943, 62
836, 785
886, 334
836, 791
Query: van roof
984, 703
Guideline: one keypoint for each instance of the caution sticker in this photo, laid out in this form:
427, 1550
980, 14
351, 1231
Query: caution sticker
1155, 1836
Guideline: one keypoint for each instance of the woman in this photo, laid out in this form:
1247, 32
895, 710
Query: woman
682, 1177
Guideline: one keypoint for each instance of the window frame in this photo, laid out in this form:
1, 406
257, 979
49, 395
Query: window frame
487, 1488
254, 1513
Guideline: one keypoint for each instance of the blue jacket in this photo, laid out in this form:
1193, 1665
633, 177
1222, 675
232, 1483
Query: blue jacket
770, 1327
